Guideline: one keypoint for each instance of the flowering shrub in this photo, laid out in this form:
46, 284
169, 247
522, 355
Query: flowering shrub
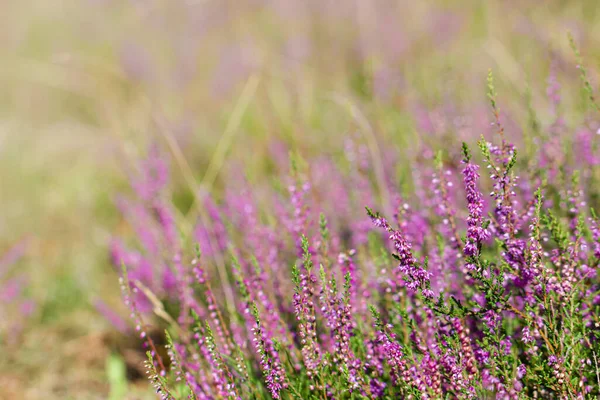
15, 307
480, 285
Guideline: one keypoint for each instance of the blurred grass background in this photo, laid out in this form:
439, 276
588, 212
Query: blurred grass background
86, 86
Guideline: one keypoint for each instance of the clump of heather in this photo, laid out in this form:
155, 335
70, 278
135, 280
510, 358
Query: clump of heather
15, 306
480, 283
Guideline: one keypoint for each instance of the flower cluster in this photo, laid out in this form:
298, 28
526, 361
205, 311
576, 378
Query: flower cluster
13, 299
457, 296
476, 234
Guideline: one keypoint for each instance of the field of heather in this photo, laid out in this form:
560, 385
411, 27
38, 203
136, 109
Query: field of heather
279, 199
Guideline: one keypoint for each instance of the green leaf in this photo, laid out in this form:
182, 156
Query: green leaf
116, 374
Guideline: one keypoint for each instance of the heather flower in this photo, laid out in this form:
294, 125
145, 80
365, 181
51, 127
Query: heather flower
13, 297
111, 316
503, 187
526, 335
478, 317
211, 235
156, 365
10, 257
297, 199
268, 358
394, 358
212, 309
392, 353
166, 221
416, 277
588, 143
153, 177
553, 89
413, 224
476, 233
521, 371
305, 310
466, 349
221, 376
348, 269
595, 228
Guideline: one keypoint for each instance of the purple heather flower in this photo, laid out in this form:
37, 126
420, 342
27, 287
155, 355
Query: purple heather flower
300, 211
221, 375
212, 237
412, 222
304, 307
431, 377
526, 335
166, 220
377, 388
11, 289
492, 319
503, 190
482, 356
521, 371
476, 234
454, 372
515, 258
13, 255
348, 266
111, 316
575, 201
154, 176
393, 355
269, 361
595, 228
587, 142
143, 223
417, 277
553, 89
468, 344
466, 349
212, 307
